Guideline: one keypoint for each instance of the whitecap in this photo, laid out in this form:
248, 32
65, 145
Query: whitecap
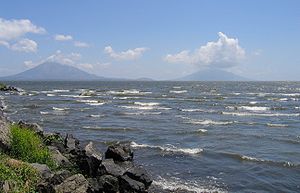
178, 91
44, 112
169, 148
191, 110
253, 102
209, 122
202, 130
254, 108
262, 114
145, 107
96, 116
59, 109
92, 102
51, 95
142, 113
176, 184
146, 104
276, 125
60, 90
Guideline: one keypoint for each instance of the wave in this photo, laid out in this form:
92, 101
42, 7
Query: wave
51, 95
146, 104
92, 102
44, 112
248, 108
59, 109
192, 110
142, 113
253, 102
60, 90
262, 114
96, 116
276, 125
168, 148
209, 122
259, 160
125, 98
177, 185
129, 92
178, 91
145, 107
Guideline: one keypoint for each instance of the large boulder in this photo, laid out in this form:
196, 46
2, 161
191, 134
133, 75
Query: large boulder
108, 166
119, 152
32, 126
73, 184
110, 184
94, 186
58, 158
43, 170
5, 134
138, 173
71, 143
93, 159
128, 185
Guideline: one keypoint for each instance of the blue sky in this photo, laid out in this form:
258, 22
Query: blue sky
166, 39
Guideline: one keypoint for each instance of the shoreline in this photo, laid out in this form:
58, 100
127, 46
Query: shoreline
78, 168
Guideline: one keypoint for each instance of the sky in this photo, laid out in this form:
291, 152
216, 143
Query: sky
159, 39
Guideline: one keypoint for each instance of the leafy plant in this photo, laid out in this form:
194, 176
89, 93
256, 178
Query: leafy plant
28, 146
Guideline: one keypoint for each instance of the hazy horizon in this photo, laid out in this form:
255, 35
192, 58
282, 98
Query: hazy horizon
162, 40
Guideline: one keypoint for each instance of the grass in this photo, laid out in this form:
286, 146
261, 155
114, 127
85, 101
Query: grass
2, 85
28, 146
21, 177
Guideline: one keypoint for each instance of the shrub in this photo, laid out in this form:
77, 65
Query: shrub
28, 146
21, 177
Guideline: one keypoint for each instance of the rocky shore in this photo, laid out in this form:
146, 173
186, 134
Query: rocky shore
77, 168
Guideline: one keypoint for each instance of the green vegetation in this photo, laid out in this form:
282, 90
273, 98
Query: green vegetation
20, 176
28, 146
2, 86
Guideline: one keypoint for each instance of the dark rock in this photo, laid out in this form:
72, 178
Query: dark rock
71, 143
108, 166
109, 183
59, 177
94, 186
44, 187
139, 174
128, 185
43, 170
5, 142
59, 159
49, 138
32, 126
73, 184
93, 159
9, 88
119, 152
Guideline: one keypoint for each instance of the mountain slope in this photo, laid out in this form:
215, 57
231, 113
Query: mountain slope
53, 71
212, 75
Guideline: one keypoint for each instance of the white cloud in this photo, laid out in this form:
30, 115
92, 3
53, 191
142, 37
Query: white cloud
4, 43
12, 29
24, 45
59, 57
224, 53
81, 44
29, 64
86, 66
61, 37
130, 54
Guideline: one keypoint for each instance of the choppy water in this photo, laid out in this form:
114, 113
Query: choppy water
191, 136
